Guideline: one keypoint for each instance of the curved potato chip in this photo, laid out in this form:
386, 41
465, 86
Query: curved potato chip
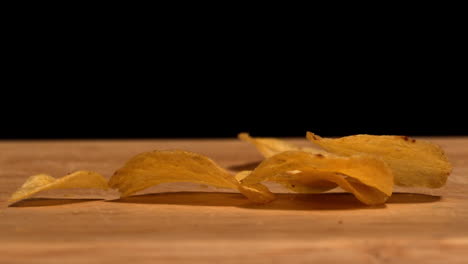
312, 186
42, 182
255, 192
271, 146
413, 162
156, 167
367, 177
298, 183
242, 175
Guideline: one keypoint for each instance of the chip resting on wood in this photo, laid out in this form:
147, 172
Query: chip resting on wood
368, 178
42, 182
415, 163
156, 167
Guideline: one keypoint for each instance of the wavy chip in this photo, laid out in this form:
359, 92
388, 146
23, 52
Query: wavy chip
42, 182
272, 146
367, 177
156, 167
413, 162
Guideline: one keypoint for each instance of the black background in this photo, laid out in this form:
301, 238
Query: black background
173, 112
86, 84
118, 101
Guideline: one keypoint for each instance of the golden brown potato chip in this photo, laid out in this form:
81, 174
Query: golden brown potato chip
271, 146
312, 186
367, 177
413, 162
42, 182
241, 175
152, 168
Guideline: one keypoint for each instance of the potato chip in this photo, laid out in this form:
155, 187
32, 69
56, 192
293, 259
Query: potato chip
42, 182
271, 146
317, 186
413, 162
255, 192
156, 167
367, 177
242, 175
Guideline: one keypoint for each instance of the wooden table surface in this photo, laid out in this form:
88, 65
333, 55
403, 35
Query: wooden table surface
189, 223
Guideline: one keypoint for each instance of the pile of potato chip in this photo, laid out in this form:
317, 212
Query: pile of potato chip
365, 165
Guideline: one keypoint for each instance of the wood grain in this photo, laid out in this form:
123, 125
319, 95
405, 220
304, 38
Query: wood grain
188, 223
